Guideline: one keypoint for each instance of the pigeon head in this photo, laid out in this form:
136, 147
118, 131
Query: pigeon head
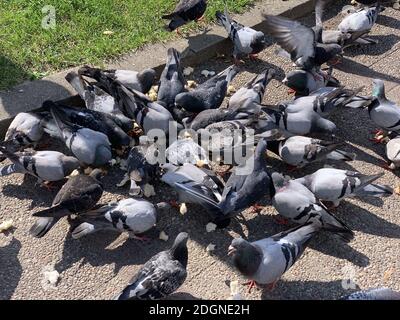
179, 249
102, 155
183, 99
70, 164
146, 79
297, 80
278, 180
378, 89
246, 257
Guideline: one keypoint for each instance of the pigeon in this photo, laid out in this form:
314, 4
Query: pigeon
210, 116
373, 294
247, 184
298, 151
161, 275
25, 130
97, 99
88, 146
44, 165
186, 150
188, 175
208, 95
333, 185
148, 115
135, 216
361, 21
172, 80
301, 42
185, 11
296, 202
246, 41
383, 112
303, 122
79, 194
253, 91
264, 262
94, 120
140, 81
141, 169
303, 82
393, 153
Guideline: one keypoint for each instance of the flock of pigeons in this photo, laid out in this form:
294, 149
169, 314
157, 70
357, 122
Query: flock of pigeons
119, 118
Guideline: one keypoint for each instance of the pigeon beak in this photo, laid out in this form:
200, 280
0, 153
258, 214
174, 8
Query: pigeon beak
231, 250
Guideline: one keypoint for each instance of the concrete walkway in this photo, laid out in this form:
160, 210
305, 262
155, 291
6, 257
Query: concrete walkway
99, 266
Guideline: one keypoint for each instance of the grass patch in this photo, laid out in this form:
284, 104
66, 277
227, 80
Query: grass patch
28, 51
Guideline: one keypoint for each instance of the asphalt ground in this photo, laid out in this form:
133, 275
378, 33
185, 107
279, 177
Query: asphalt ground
100, 265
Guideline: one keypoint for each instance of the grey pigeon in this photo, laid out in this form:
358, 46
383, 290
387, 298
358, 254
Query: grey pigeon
210, 116
161, 275
140, 81
97, 99
297, 203
184, 12
190, 176
172, 80
88, 146
329, 184
253, 91
383, 112
246, 41
79, 194
246, 185
303, 122
135, 216
264, 262
373, 294
44, 165
393, 153
148, 115
140, 171
186, 150
94, 120
208, 95
298, 151
303, 82
301, 42
25, 130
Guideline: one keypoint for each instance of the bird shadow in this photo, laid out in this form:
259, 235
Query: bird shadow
181, 296
11, 269
388, 21
306, 290
356, 68
368, 222
385, 43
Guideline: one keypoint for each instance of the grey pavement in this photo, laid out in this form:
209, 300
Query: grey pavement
100, 265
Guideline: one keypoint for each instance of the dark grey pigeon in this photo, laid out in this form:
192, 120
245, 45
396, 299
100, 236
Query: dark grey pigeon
185, 12
208, 95
97, 99
264, 262
298, 151
140, 81
94, 120
135, 216
172, 81
246, 185
301, 42
246, 41
297, 203
88, 146
329, 184
373, 294
44, 165
160, 276
79, 194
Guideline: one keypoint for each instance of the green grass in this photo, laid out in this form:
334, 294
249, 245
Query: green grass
27, 51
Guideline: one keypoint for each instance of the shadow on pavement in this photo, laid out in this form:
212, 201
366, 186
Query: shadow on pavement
11, 269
